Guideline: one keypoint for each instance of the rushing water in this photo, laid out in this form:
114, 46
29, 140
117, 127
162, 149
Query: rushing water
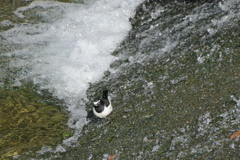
63, 47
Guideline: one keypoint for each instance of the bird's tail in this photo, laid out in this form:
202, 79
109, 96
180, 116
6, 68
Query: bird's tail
105, 94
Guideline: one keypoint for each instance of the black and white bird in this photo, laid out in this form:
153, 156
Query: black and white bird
102, 107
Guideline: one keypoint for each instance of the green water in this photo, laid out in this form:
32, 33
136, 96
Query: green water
28, 123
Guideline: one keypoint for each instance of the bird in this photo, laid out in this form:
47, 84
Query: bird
102, 107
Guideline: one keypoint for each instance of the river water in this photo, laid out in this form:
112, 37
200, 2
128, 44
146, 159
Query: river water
157, 55
63, 47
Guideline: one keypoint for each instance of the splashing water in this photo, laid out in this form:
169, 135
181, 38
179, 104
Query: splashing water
63, 47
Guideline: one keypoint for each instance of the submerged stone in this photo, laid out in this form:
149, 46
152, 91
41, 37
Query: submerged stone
28, 124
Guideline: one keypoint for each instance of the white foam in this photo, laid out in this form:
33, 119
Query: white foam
65, 54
